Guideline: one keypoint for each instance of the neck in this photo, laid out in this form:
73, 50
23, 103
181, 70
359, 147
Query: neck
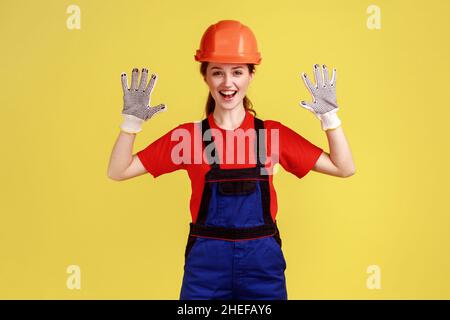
229, 119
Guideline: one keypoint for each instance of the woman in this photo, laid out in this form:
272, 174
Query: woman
234, 247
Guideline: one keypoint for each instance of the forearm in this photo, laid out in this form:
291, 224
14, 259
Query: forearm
122, 154
340, 153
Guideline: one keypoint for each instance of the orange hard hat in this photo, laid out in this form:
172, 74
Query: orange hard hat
228, 41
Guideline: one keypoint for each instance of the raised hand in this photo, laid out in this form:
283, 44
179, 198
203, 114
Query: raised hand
324, 104
136, 101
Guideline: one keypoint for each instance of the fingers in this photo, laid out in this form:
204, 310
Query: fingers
318, 76
320, 81
159, 107
134, 79
142, 84
307, 105
144, 77
325, 76
123, 77
308, 83
154, 110
333, 79
151, 84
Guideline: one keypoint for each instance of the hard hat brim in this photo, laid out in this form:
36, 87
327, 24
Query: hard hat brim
254, 59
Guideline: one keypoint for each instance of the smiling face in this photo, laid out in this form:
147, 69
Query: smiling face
223, 78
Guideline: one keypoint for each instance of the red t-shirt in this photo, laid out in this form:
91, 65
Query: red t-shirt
294, 153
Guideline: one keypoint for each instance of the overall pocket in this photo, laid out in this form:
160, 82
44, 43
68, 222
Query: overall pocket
275, 247
239, 203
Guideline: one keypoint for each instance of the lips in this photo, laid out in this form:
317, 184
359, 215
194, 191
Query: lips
228, 96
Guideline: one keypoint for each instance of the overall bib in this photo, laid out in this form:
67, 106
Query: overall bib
233, 250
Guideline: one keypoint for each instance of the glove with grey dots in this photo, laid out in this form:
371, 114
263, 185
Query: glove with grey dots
324, 105
136, 101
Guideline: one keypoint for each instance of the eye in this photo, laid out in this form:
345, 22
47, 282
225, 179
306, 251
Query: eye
219, 72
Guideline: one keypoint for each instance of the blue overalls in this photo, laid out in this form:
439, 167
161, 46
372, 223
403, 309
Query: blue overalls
234, 248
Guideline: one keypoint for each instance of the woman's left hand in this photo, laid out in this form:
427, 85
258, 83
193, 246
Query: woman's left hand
324, 105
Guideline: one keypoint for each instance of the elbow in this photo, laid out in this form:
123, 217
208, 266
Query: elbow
347, 173
113, 177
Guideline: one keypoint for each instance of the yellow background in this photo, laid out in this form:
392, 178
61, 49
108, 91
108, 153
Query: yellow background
60, 107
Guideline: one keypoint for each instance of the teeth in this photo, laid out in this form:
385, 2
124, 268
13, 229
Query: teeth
227, 92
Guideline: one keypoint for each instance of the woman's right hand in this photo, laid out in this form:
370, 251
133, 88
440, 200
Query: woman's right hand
136, 101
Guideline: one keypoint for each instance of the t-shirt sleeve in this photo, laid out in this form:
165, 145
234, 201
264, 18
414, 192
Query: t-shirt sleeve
297, 155
157, 157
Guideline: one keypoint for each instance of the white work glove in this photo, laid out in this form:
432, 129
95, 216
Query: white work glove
324, 105
136, 100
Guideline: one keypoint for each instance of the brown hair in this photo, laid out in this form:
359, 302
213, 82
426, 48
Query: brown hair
210, 103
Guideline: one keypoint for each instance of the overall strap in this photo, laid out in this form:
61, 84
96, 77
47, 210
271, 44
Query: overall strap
213, 158
260, 143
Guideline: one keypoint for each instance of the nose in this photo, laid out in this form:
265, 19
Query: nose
228, 81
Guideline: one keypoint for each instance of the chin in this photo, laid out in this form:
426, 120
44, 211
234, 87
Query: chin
229, 106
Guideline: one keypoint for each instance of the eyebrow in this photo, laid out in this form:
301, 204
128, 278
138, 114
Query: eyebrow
221, 68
